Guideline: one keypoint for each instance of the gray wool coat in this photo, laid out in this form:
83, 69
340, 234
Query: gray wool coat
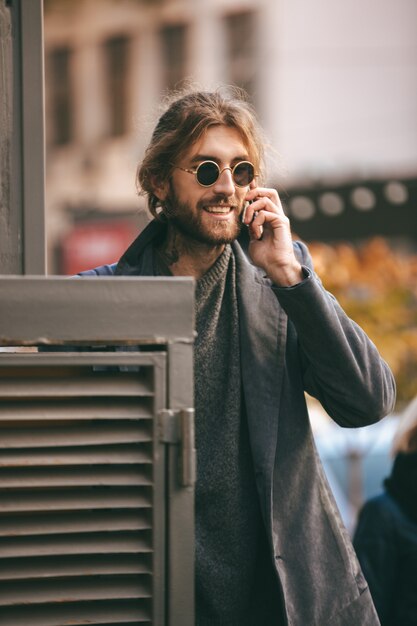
298, 339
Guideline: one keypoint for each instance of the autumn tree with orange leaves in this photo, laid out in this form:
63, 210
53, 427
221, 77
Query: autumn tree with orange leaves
377, 287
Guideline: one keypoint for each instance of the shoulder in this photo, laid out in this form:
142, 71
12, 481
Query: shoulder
101, 270
381, 504
379, 514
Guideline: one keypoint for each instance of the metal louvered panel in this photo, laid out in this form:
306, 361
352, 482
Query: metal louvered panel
81, 468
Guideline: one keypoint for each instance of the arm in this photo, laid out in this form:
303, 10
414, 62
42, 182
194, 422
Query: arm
341, 366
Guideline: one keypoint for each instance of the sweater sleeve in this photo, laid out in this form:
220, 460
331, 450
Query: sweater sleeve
341, 366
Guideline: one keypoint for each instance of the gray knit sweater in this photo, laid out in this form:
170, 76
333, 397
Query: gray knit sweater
229, 530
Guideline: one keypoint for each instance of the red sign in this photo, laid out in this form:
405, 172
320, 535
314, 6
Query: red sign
95, 243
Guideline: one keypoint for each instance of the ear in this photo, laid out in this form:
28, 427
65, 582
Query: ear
160, 188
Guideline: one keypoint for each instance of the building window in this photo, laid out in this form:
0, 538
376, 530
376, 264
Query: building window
61, 96
174, 54
241, 52
116, 60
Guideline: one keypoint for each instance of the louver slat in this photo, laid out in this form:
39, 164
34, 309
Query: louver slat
77, 386
111, 455
68, 409
67, 476
100, 543
77, 497
79, 435
70, 500
78, 565
75, 589
99, 614
78, 521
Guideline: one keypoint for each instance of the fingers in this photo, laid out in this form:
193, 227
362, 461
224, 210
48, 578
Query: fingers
257, 220
255, 229
264, 209
271, 246
262, 192
261, 205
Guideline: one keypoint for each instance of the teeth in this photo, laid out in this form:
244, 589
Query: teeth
218, 209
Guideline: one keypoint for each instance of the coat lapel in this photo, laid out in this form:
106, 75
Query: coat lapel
263, 329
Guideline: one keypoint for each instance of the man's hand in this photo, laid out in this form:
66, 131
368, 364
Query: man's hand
270, 237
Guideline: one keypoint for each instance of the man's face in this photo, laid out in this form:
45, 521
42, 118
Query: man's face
210, 215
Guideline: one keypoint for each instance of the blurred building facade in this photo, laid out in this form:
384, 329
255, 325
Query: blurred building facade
335, 87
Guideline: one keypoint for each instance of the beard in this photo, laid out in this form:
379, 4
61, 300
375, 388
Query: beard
189, 221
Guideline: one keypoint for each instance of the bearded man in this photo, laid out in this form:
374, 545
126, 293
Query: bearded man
271, 549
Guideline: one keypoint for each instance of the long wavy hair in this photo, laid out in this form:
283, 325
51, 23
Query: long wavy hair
185, 120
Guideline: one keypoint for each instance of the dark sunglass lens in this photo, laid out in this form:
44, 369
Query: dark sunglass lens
243, 174
207, 173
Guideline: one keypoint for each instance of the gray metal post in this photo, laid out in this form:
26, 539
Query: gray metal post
10, 220
22, 150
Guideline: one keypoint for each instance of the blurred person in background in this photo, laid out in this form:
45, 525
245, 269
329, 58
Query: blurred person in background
271, 549
386, 535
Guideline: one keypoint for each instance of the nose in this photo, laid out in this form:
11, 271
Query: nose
225, 184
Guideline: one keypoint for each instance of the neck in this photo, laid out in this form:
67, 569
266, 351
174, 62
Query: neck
186, 257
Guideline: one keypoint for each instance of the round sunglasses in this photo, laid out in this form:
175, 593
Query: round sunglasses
208, 172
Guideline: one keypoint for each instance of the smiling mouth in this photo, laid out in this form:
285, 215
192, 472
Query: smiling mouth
218, 210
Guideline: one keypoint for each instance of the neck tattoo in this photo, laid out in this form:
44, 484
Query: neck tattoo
169, 251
